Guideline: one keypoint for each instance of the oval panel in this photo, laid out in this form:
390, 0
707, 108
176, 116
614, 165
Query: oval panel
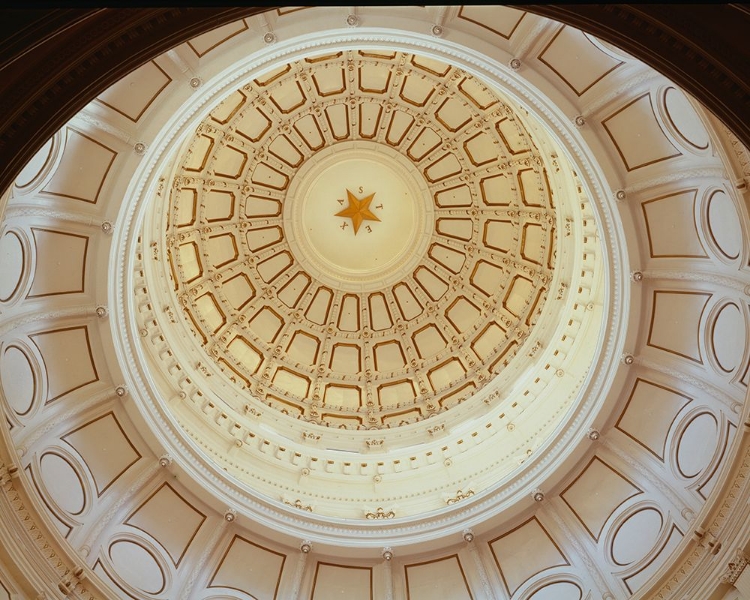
35, 166
696, 445
63, 483
724, 224
561, 590
12, 263
636, 536
685, 120
137, 566
18, 380
728, 337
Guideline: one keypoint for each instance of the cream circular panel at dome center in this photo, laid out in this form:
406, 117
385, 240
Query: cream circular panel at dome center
362, 239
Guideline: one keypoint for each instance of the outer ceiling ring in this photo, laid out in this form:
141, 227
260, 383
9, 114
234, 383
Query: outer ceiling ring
271, 513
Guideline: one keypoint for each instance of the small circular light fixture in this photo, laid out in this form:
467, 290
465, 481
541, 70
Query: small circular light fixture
269, 37
515, 64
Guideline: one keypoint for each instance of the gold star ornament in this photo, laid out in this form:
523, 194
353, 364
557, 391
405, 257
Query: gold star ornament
358, 210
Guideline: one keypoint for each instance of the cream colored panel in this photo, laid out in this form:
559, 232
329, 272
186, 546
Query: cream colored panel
684, 120
294, 383
446, 374
238, 290
63, 483
650, 414
525, 551
380, 316
208, 41
73, 180
272, 267
310, 131
253, 124
304, 348
18, 379
489, 340
596, 493
636, 535
449, 258
459, 229
68, 360
697, 444
442, 168
170, 519
532, 190
637, 135
249, 568
5, 589
229, 107
462, 314
257, 206
267, 324
397, 393
533, 243
723, 225
500, 20
288, 97
407, 302
209, 311
349, 315
459, 196
292, 291
185, 207
728, 336
345, 397
389, 356
12, 265
518, 295
641, 577
670, 226
269, 177
137, 566
481, 149
454, 114
339, 581
320, 306
133, 94
346, 358
329, 81
574, 58
222, 249
229, 162
443, 578
60, 263
675, 323
433, 285
500, 235
513, 135
487, 277
429, 341
190, 261
246, 354
497, 190
104, 447
416, 90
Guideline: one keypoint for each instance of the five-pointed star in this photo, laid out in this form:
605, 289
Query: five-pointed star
358, 210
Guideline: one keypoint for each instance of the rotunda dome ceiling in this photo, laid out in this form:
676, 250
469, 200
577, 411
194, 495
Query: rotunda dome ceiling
359, 250
306, 311
362, 239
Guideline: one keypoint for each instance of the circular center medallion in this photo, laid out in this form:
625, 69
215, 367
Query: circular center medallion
360, 214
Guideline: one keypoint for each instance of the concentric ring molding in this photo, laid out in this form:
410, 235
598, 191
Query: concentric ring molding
149, 387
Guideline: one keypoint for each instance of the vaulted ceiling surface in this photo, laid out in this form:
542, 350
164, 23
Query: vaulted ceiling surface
616, 506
